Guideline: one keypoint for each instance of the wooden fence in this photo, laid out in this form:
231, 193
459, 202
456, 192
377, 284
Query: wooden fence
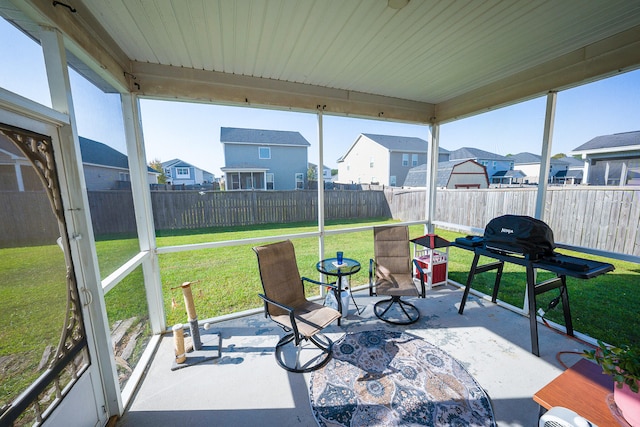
603, 218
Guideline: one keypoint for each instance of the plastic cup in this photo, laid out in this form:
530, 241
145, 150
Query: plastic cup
339, 256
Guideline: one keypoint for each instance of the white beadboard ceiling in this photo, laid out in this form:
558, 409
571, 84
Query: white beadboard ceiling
447, 56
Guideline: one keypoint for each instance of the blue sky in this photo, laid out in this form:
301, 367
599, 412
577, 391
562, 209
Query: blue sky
191, 132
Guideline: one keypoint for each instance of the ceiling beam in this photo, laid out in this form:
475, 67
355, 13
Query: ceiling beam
167, 82
84, 38
605, 58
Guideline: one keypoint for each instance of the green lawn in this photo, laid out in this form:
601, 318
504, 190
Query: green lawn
227, 281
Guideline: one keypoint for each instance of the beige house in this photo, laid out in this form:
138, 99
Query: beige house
381, 159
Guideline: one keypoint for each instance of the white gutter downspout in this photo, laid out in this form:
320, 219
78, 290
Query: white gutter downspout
545, 160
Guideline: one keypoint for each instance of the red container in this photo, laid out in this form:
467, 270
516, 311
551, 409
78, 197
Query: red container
439, 268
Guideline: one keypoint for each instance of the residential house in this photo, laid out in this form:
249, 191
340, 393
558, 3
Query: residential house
572, 174
258, 159
381, 159
179, 172
16, 172
453, 174
326, 172
561, 170
104, 168
497, 166
611, 159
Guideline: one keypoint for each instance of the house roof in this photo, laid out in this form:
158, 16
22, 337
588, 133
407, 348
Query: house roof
530, 158
93, 152
400, 143
569, 173
262, 137
615, 142
407, 144
9, 147
509, 174
524, 158
178, 163
572, 162
97, 153
475, 153
366, 58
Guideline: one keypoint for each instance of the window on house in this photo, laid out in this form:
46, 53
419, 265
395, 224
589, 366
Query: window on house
182, 172
371, 162
392, 180
405, 160
511, 166
414, 160
235, 181
495, 164
264, 152
270, 181
485, 163
124, 176
299, 181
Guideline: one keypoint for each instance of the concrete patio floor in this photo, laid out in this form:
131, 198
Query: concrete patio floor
245, 387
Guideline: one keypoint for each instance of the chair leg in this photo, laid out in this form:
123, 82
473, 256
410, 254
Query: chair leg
315, 363
409, 310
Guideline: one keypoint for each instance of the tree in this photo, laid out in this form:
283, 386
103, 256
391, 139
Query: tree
156, 165
312, 173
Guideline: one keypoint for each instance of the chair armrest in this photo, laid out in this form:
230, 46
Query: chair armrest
290, 310
331, 285
422, 273
277, 304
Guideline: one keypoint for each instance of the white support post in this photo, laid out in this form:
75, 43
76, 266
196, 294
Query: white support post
585, 169
320, 189
143, 210
545, 161
432, 174
78, 218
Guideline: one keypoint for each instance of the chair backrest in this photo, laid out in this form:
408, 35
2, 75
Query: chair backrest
391, 249
279, 274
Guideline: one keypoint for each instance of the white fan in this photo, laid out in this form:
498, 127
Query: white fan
563, 417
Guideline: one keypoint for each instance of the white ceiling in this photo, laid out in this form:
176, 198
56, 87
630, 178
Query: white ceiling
432, 58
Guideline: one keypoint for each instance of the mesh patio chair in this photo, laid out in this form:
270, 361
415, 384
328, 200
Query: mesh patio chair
285, 303
391, 274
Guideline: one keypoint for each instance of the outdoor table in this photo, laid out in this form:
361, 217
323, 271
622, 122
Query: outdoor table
561, 265
330, 267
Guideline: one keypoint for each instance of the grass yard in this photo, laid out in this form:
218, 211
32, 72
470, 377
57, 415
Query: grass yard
32, 296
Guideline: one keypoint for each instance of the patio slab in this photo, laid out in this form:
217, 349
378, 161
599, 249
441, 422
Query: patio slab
246, 387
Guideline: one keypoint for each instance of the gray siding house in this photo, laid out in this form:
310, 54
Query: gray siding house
381, 159
611, 159
179, 172
258, 159
106, 168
